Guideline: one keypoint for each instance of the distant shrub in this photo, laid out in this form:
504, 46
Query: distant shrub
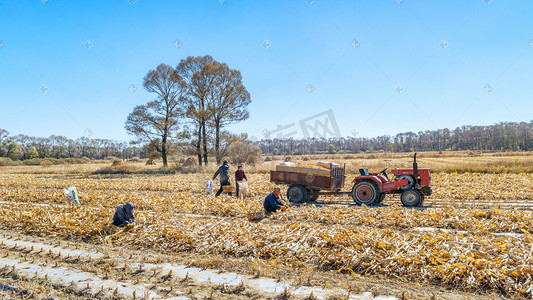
70, 160
4, 162
189, 162
54, 161
268, 158
287, 158
123, 169
46, 162
32, 162
190, 169
117, 162
154, 155
305, 158
474, 153
244, 152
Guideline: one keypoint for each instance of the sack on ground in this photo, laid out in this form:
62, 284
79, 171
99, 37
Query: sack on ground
72, 194
209, 187
243, 187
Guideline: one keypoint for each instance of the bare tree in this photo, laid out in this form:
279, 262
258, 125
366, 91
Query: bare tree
228, 101
198, 81
157, 121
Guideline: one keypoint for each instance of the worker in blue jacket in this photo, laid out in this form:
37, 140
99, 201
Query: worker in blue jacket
223, 171
272, 202
124, 215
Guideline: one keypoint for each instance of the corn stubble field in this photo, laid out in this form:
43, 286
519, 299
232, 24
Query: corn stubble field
472, 239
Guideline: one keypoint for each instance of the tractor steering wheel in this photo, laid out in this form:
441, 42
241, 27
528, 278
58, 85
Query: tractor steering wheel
383, 170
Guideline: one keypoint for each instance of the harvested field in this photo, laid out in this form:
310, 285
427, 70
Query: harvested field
472, 239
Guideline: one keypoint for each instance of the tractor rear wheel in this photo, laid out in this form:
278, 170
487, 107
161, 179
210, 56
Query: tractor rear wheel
365, 192
411, 198
296, 193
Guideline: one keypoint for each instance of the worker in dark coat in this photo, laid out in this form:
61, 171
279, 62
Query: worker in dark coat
223, 171
124, 215
272, 202
239, 176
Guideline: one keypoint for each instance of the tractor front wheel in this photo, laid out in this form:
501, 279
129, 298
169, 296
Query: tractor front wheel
366, 192
411, 198
296, 193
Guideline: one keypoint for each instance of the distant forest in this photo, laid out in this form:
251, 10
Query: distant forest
499, 137
23, 147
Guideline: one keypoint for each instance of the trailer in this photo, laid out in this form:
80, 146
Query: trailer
308, 185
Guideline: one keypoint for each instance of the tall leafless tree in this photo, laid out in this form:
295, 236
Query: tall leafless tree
157, 121
198, 82
228, 101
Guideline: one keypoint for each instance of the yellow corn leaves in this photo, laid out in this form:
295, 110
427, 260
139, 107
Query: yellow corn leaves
463, 247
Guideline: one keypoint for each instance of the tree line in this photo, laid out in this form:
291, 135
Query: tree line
498, 137
506, 136
23, 147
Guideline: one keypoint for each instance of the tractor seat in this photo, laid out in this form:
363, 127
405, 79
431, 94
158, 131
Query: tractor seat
363, 171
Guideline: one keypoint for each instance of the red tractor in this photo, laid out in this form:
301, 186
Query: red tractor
413, 185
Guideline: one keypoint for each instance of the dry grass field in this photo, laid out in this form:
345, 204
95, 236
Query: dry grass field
471, 240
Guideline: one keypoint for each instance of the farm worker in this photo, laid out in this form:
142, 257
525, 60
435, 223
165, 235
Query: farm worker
239, 176
224, 177
272, 202
124, 215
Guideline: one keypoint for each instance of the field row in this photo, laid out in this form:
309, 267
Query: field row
464, 186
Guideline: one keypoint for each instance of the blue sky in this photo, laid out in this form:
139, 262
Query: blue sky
373, 67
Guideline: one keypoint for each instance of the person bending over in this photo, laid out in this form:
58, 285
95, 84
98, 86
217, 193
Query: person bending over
272, 201
124, 215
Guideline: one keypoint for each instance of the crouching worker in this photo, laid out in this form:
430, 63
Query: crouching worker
272, 202
124, 215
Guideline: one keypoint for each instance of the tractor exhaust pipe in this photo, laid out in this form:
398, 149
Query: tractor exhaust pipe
415, 168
